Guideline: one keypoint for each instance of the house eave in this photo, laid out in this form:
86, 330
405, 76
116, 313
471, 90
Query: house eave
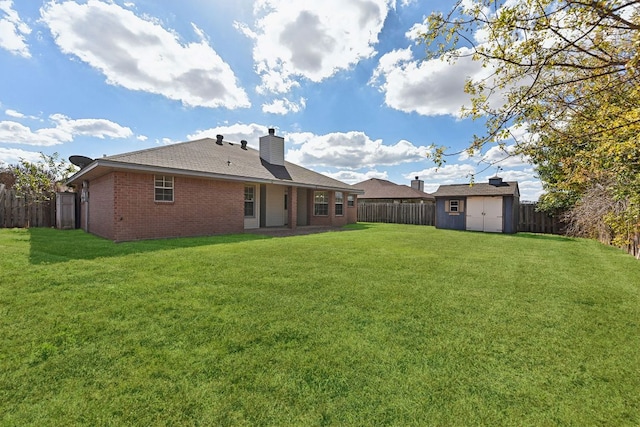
102, 167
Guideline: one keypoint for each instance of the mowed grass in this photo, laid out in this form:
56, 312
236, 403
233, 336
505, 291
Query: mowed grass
379, 325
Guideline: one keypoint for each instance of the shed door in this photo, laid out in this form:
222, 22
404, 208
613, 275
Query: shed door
484, 214
475, 213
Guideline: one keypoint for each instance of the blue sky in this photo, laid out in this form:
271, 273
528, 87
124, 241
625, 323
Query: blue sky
343, 81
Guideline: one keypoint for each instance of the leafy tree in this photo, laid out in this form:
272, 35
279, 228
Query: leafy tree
38, 180
567, 72
6, 176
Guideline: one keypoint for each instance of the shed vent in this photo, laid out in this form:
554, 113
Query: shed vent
496, 181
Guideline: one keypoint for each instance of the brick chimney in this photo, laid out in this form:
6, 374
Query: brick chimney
272, 148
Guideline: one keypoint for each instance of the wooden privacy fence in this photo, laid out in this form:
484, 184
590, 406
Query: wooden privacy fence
397, 213
21, 212
424, 214
532, 221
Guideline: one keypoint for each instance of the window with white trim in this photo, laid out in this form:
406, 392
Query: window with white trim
163, 188
339, 203
321, 203
249, 201
455, 205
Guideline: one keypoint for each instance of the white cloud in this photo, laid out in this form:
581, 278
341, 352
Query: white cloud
447, 174
12, 156
296, 40
14, 113
430, 88
353, 177
284, 106
97, 128
139, 54
13, 30
16, 133
64, 130
166, 141
351, 150
503, 156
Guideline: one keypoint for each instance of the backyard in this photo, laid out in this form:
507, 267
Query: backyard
380, 324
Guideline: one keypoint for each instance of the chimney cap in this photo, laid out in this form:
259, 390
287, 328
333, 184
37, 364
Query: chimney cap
272, 131
417, 177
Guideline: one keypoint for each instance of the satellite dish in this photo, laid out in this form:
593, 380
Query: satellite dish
80, 161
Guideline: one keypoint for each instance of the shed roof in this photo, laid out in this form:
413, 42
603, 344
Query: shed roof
505, 188
206, 159
375, 188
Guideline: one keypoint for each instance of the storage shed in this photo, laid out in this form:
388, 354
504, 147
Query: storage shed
491, 207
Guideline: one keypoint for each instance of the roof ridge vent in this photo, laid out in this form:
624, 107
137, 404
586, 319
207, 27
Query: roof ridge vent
219, 139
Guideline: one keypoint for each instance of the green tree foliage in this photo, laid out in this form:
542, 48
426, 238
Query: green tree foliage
568, 73
38, 180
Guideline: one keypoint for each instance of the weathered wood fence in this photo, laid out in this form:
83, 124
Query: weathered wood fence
16, 211
424, 214
397, 213
532, 221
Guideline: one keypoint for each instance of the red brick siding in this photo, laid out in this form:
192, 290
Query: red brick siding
332, 219
101, 207
292, 207
352, 211
122, 207
200, 207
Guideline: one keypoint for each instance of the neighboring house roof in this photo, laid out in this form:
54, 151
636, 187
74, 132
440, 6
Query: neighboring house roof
503, 188
204, 158
375, 188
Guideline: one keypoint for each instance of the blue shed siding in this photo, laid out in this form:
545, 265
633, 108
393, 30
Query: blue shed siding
507, 216
511, 210
448, 220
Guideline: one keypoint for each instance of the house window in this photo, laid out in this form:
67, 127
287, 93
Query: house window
163, 188
339, 202
249, 201
321, 203
351, 201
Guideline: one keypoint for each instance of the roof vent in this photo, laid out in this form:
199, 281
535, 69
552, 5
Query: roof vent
219, 139
272, 131
496, 181
243, 144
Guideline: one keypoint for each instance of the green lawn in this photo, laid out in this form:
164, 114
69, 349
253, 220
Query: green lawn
379, 325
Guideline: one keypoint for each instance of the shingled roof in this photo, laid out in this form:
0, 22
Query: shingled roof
501, 188
205, 158
375, 188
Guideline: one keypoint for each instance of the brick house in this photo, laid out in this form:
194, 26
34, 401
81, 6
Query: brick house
207, 187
